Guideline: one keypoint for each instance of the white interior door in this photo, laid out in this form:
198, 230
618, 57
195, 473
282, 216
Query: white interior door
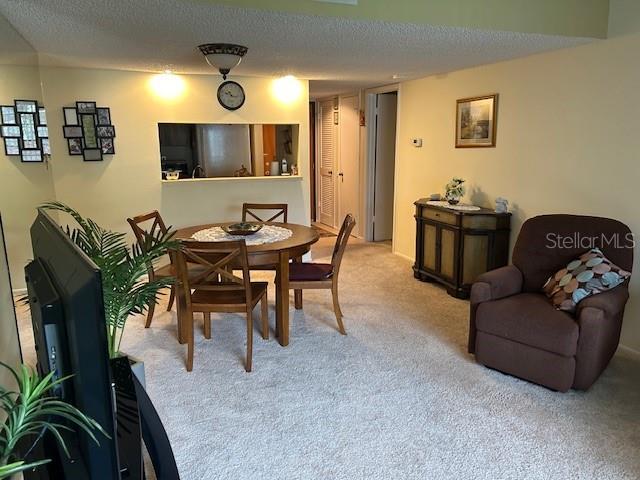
326, 165
385, 161
348, 174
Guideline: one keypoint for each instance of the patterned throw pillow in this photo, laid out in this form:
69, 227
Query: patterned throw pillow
589, 274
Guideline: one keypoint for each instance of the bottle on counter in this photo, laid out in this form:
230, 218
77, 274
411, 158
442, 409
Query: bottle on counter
285, 169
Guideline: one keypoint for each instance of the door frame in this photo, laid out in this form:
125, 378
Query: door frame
313, 149
317, 179
369, 160
356, 94
337, 103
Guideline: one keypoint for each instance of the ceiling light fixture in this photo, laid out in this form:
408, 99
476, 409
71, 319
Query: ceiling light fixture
223, 56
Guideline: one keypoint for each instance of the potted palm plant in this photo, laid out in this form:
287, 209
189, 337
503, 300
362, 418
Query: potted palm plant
31, 412
125, 288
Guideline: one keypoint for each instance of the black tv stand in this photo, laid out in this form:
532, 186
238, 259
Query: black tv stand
136, 421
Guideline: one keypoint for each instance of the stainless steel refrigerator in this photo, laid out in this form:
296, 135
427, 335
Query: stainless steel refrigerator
223, 149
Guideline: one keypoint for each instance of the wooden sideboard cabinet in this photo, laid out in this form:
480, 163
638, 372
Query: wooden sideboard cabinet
454, 247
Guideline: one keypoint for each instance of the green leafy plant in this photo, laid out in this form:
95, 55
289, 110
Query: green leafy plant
123, 268
31, 411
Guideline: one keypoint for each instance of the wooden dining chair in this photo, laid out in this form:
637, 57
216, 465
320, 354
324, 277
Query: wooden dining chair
323, 275
276, 210
214, 288
143, 226
250, 209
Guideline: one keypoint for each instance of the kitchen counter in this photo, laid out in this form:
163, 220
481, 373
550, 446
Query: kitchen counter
234, 179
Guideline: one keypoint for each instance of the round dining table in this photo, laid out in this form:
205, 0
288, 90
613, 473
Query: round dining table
274, 255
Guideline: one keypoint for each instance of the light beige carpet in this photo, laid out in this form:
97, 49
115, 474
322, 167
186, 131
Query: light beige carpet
398, 398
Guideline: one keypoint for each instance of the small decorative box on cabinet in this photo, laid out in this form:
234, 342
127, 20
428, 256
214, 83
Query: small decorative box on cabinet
454, 247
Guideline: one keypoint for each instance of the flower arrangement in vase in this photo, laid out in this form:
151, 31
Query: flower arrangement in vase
454, 190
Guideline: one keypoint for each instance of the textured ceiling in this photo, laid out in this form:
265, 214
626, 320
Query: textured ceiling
337, 54
14, 50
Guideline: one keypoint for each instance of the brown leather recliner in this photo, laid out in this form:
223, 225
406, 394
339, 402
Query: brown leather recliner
514, 327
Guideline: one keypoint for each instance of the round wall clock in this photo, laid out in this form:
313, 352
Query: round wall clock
231, 95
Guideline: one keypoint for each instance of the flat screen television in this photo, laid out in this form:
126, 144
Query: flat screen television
65, 295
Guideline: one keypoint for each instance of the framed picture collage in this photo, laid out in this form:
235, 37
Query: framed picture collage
23, 127
89, 131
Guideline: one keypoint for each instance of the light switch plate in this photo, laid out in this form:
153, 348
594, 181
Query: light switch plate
416, 142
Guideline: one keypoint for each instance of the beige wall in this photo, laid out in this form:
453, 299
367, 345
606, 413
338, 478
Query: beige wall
23, 186
128, 182
624, 17
9, 345
568, 141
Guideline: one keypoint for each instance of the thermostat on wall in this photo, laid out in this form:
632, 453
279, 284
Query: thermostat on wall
416, 142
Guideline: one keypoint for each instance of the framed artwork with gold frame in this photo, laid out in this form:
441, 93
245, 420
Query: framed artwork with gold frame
476, 121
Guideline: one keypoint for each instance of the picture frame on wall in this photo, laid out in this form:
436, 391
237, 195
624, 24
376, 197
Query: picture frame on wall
8, 115
107, 146
12, 147
476, 121
92, 154
89, 134
11, 131
42, 116
104, 115
43, 131
106, 131
26, 106
89, 131
29, 132
75, 146
31, 155
70, 116
46, 146
24, 130
86, 107
72, 131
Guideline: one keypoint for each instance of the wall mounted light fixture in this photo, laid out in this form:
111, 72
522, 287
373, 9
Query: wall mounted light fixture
167, 85
287, 89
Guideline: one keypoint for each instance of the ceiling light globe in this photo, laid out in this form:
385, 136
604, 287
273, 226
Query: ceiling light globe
223, 56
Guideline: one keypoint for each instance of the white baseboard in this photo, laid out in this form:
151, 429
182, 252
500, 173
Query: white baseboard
406, 257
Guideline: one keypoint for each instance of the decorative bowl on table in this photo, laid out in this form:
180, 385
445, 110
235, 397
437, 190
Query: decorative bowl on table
242, 228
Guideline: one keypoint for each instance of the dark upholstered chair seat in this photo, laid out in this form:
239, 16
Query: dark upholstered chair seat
310, 272
532, 321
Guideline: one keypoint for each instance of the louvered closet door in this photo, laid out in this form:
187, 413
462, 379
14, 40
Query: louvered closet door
326, 187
